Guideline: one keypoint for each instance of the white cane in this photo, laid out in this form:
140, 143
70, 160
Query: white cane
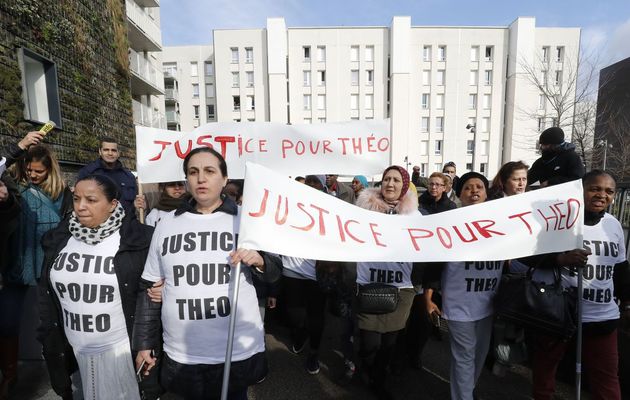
230, 342
578, 349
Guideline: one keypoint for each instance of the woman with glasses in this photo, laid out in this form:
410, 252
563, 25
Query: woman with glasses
435, 199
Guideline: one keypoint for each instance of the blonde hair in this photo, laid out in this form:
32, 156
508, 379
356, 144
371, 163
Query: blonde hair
444, 177
53, 185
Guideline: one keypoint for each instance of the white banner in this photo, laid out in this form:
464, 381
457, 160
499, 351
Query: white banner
282, 216
349, 148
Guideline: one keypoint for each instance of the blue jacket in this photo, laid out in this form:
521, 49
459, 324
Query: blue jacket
119, 174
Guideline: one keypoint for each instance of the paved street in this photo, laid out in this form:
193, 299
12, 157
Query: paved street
289, 380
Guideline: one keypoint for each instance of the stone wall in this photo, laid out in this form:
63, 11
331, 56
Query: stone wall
87, 40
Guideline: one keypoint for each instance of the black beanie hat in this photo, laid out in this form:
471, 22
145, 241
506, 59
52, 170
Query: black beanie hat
469, 175
553, 135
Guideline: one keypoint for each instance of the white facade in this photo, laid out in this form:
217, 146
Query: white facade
190, 86
145, 62
431, 81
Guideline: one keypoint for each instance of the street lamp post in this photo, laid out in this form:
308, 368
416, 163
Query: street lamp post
473, 129
604, 143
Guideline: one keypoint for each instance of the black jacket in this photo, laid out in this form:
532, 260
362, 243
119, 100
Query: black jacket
9, 215
119, 174
433, 207
135, 239
562, 166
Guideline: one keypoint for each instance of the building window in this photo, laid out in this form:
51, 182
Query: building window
474, 53
210, 108
424, 148
559, 53
235, 80
170, 68
234, 51
195, 111
483, 168
354, 53
354, 101
441, 53
541, 102
487, 101
306, 78
306, 51
439, 124
441, 77
208, 68
321, 101
426, 77
488, 77
209, 90
485, 125
472, 101
558, 78
470, 147
438, 147
321, 120
439, 101
474, 76
237, 120
195, 90
472, 121
193, 69
249, 55
369, 101
541, 124
250, 105
489, 53
321, 53
354, 77
369, 76
543, 78
484, 147
250, 78
426, 53
307, 101
545, 54
236, 102
469, 167
40, 90
424, 124
369, 53
423, 169
437, 167
425, 100
321, 78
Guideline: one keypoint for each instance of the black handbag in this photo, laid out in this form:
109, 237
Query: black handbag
377, 298
547, 308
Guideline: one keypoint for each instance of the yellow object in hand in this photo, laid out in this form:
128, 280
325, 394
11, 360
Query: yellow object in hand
48, 126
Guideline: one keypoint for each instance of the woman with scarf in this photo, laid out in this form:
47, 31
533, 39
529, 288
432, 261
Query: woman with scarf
44, 200
88, 291
378, 332
171, 195
359, 183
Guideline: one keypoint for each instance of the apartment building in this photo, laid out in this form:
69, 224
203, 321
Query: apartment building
461, 94
145, 62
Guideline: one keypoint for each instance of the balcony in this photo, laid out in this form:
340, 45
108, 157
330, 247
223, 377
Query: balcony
146, 78
171, 96
144, 33
170, 75
148, 3
172, 117
143, 115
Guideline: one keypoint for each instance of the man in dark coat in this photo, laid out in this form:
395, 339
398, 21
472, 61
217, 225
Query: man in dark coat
109, 165
558, 163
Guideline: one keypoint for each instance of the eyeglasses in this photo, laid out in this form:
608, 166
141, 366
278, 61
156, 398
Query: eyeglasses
174, 184
432, 184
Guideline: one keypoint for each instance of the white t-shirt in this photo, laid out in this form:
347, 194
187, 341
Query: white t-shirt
299, 268
391, 273
606, 242
191, 252
155, 216
468, 289
83, 277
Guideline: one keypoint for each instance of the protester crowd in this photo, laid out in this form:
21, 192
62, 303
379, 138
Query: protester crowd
131, 309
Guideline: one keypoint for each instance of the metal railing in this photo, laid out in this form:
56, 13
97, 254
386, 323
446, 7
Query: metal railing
145, 69
620, 209
143, 21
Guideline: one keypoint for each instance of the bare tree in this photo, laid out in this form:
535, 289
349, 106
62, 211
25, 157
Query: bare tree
584, 133
568, 96
618, 154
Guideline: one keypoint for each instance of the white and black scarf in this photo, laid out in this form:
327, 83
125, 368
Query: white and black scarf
101, 232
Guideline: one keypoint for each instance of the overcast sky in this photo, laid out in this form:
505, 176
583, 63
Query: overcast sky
605, 23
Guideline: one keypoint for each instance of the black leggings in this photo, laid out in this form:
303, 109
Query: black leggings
376, 353
306, 307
